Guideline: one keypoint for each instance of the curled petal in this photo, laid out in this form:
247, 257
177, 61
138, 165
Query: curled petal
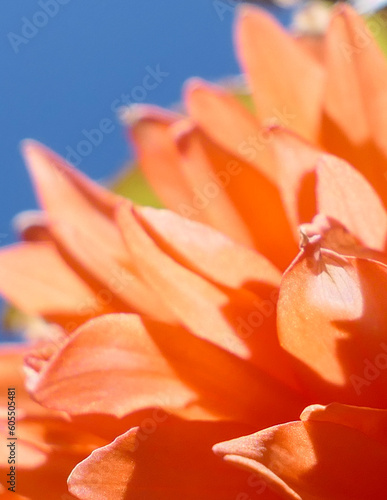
315, 459
331, 317
370, 421
110, 365
164, 461
120, 364
344, 194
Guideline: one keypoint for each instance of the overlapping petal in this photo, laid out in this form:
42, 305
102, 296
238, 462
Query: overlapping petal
344, 194
331, 317
39, 281
172, 459
120, 364
326, 455
175, 338
240, 321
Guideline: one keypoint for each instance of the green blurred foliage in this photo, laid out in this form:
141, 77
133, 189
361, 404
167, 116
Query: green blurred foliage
381, 35
132, 184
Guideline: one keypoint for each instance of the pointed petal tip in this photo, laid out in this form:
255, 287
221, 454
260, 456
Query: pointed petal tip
136, 114
218, 450
196, 92
345, 12
196, 84
30, 146
131, 115
23, 220
192, 85
342, 9
38, 157
310, 410
243, 11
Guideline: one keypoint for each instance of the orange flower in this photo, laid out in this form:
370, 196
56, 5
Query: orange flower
198, 335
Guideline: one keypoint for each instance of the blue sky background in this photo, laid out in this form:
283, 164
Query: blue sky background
63, 77
66, 77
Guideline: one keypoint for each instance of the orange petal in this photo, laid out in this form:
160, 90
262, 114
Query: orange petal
47, 451
312, 460
189, 296
35, 278
142, 364
241, 197
149, 129
296, 162
357, 78
331, 317
239, 321
12, 375
268, 53
115, 367
80, 215
210, 178
172, 461
313, 44
229, 124
117, 286
345, 195
69, 197
370, 421
207, 251
354, 119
